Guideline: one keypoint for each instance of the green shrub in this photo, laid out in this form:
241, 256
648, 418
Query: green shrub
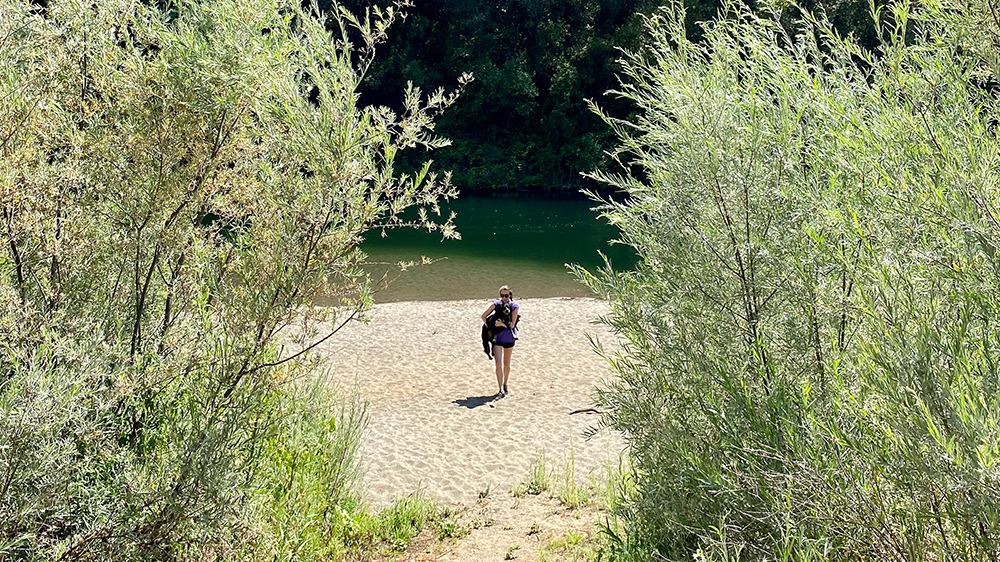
810, 367
309, 478
179, 183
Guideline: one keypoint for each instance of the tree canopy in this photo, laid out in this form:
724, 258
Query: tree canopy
525, 123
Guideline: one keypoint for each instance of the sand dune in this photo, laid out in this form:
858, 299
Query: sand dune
434, 424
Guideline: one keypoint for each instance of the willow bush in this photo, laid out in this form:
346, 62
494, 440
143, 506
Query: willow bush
179, 183
810, 367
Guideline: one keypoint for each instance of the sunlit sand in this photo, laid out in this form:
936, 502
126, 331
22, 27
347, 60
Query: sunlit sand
434, 424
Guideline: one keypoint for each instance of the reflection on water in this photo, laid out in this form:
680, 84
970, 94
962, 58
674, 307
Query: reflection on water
522, 241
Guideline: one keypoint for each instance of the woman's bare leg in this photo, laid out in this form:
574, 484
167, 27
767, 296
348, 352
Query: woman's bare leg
507, 351
498, 358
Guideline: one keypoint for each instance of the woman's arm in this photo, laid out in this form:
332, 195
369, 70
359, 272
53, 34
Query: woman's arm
488, 311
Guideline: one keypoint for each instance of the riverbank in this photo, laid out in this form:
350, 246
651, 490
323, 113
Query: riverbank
434, 424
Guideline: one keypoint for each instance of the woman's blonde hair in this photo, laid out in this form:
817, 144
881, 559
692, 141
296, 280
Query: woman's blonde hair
502, 287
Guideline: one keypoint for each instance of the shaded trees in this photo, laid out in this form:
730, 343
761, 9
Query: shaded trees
524, 123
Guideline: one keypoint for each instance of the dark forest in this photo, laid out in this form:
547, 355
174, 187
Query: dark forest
524, 123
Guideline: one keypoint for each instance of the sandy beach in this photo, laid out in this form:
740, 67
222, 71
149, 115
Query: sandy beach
434, 424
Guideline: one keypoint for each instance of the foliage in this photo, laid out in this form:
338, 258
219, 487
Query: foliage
391, 529
570, 493
573, 547
447, 526
524, 122
308, 490
178, 183
810, 368
538, 480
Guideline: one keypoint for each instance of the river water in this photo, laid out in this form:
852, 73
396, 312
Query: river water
524, 241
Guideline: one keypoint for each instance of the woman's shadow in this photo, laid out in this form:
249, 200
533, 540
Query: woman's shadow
475, 401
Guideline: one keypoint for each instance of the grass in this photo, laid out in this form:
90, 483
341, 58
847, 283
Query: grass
570, 493
446, 525
573, 547
538, 479
600, 492
615, 481
368, 535
372, 536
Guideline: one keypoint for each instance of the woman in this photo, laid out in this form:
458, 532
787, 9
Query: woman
504, 338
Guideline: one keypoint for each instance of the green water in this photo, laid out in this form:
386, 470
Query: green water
521, 241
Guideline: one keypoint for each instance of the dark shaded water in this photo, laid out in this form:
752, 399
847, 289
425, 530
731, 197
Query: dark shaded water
522, 241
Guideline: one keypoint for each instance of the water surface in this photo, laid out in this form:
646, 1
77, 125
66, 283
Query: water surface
520, 240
